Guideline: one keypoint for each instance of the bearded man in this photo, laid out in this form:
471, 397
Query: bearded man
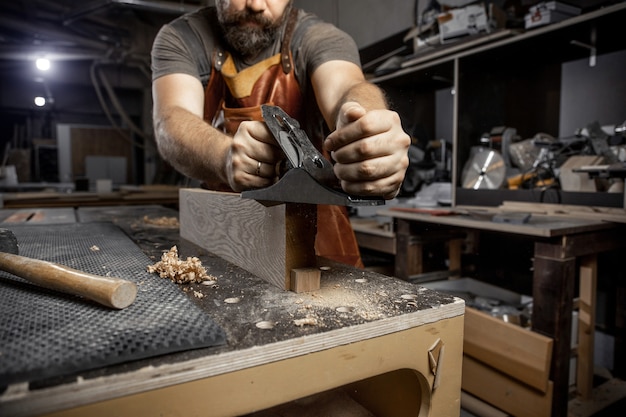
214, 68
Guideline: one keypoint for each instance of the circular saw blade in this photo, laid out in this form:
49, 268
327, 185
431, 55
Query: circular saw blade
484, 170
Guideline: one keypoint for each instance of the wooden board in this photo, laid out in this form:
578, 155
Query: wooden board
609, 214
267, 241
41, 216
520, 353
503, 392
237, 383
89, 141
371, 235
538, 225
128, 196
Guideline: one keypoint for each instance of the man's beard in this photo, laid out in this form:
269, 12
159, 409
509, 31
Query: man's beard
248, 40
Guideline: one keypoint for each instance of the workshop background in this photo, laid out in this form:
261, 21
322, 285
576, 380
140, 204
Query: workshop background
93, 118
100, 76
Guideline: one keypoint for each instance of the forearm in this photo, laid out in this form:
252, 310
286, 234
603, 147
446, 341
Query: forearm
367, 143
192, 146
368, 95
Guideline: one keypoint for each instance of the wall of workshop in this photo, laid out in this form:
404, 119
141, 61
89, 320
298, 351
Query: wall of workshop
602, 101
75, 102
369, 21
75, 99
70, 83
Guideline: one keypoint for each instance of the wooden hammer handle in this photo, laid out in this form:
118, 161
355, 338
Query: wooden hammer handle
108, 291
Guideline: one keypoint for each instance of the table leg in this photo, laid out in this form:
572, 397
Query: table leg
408, 259
586, 325
455, 249
619, 361
553, 293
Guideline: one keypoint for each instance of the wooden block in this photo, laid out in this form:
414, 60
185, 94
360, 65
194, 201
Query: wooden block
266, 241
578, 181
305, 279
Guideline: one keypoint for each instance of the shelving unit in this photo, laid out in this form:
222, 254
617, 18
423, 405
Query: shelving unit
514, 79
505, 78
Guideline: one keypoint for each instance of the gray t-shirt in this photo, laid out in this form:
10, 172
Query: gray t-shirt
313, 43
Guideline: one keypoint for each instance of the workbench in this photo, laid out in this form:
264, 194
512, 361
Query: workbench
379, 339
565, 249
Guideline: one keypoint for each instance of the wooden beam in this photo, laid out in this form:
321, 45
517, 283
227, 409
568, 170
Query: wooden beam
586, 325
455, 250
553, 294
581, 244
266, 241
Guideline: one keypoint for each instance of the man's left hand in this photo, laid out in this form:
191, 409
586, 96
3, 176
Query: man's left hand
370, 149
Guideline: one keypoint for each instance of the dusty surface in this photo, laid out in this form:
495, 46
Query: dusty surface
238, 301
251, 311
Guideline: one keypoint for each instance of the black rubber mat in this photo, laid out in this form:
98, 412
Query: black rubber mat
47, 334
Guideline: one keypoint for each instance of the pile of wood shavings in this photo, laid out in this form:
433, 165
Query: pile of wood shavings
180, 271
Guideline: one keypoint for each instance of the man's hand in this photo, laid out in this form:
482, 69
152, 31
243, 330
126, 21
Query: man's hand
252, 157
370, 150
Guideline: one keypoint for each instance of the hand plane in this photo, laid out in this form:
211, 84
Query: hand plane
309, 177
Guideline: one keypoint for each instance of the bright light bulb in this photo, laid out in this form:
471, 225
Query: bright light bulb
43, 64
40, 101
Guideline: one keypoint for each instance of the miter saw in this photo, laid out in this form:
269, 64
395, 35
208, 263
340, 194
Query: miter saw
489, 164
609, 142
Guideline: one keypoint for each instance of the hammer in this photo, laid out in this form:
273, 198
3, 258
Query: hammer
108, 291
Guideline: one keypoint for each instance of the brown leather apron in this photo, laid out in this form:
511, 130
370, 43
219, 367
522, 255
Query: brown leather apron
233, 96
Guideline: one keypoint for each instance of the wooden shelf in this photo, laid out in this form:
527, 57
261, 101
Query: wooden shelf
505, 78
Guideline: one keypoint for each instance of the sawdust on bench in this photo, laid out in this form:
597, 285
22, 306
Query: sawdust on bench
178, 270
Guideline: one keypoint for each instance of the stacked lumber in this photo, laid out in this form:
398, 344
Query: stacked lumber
145, 194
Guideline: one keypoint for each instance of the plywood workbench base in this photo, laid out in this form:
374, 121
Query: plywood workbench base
392, 376
394, 347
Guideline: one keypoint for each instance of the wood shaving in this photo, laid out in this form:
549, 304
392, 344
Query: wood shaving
180, 271
310, 321
162, 221
198, 294
94, 248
